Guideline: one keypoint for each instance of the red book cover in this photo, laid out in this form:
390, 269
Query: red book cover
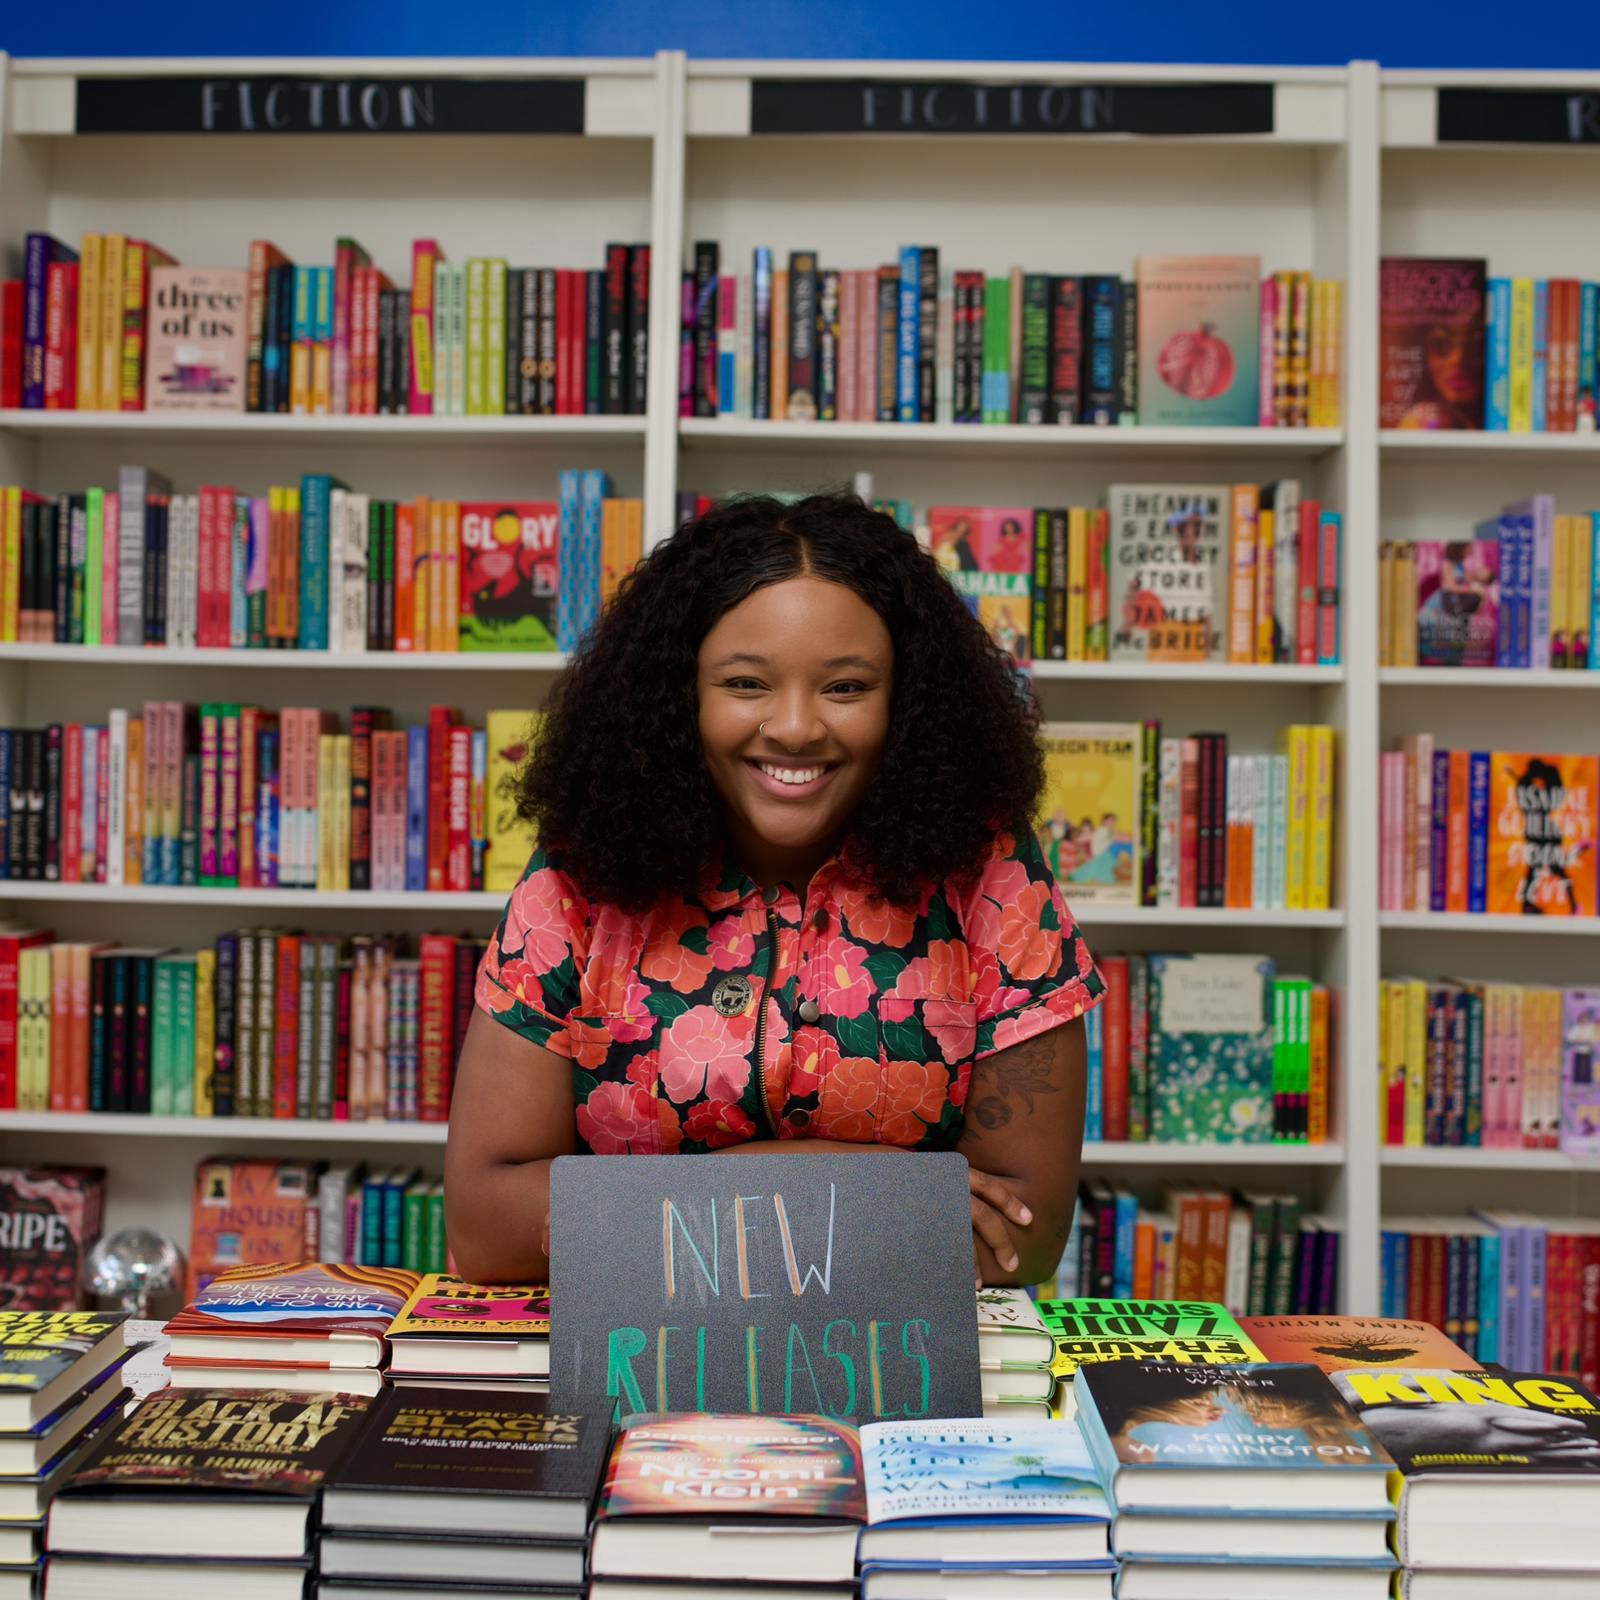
61, 336
1437, 1275
72, 803
1214, 1262
1189, 824
209, 782
1305, 622
60, 1025
358, 342
78, 1045
1589, 1314
102, 810
205, 555
1430, 358
53, 1219
440, 719
11, 344
286, 1029
458, 812
361, 727
436, 1021
566, 368
348, 259
12, 943
1456, 831
246, 1213
1114, 969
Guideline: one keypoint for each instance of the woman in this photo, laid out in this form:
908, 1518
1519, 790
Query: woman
786, 897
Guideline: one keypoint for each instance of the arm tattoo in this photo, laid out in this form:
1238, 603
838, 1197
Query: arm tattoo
1020, 1072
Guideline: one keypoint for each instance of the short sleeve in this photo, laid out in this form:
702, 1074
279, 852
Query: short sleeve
1031, 969
528, 978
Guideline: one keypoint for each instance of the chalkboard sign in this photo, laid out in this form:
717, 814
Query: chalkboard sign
280, 103
809, 105
1518, 116
832, 1285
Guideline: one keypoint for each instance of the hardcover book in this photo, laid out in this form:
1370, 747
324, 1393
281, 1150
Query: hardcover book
1338, 1344
1168, 560
1543, 827
46, 1357
1580, 1086
247, 1213
1431, 352
510, 575
1199, 341
1176, 1332
49, 1221
450, 1326
197, 340
988, 554
1458, 602
1010, 1330
1088, 813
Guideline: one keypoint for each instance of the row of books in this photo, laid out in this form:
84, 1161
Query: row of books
1497, 831
1523, 592
1463, 350
1162, 572
116, 325
1189, 341
237, 796
264, 1023
1132, 817
314, 566
1255, 1068
1514, 1289
1503, 1065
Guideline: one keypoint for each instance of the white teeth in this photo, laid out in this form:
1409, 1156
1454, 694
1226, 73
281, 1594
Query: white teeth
795, 775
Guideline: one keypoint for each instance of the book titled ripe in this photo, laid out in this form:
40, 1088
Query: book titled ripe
197, 340
49, 1221
449, 1327
1088, 813
1199, 341
510, 575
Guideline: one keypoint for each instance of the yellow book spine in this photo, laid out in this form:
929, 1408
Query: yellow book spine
1266, 577
1242, 575
133, 823
1297, 746
1416, 1059
10, 563
1335, 354
1521, 355
1582, 586
1560, 557
327, 822
113, 318
633, 535
205, 1032
1396, 990
433, 629
1077, 583
1318, 377
1385, 1061
450, 637
89, 321
610, 549
1386, 603
341, 812
1319, 870
1405, 606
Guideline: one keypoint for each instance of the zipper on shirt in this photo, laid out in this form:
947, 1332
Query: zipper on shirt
761, 1021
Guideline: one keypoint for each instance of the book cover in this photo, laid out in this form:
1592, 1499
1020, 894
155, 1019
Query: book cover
1542, 827
724, 1466
248, 1212
1457, 601
38, 1348
1176, 1332
987, 552
1198, 340
1210, 1048
1010, 1329
1431, 351
1464, 1423
1088, 813
295, 1300
50, 1219
1580, 1092
445, 1306
1167, 554
196, 340
510, 575
1338, 1344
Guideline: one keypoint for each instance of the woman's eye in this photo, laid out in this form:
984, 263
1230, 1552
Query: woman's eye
741, 683
847, 686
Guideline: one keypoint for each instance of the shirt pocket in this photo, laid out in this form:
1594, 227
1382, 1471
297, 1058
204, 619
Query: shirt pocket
617, 1105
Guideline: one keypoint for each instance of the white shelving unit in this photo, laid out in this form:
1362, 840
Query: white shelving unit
1349, 171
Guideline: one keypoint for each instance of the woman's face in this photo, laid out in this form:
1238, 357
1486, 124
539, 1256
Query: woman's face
1447, 364
813, 662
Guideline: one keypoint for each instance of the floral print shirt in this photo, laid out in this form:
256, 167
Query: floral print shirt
748, 1014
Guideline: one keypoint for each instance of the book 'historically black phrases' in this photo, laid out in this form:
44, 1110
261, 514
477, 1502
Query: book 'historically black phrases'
457, 1461
46, 1357
1271, 1439
1336, 1344
1500, 1468
223, 1473
448, 1326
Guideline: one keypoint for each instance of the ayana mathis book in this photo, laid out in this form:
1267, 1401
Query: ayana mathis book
195, 357
1088, 814
49, 1221
1431, 351
1280, 1415
987, 553
1199, 341
1166, 551
1181, 1332
1478, 1422
510, 575
442, 1306
1543, 825
1458, 602
289, 1300
1211, 1048
1337, 1344
262, 1441
721, 1465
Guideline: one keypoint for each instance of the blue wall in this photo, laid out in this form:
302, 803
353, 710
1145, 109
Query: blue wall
1428, 33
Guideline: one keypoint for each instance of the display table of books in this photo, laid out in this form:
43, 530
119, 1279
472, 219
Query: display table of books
366, 1434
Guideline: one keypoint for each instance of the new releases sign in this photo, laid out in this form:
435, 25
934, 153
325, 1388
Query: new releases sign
838, 1286
277, 103
1518, 116
811, 105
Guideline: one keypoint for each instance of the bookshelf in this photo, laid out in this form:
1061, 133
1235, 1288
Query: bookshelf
1348, 171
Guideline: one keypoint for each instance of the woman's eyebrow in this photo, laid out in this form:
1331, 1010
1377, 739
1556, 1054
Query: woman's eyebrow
738, 655
850, 661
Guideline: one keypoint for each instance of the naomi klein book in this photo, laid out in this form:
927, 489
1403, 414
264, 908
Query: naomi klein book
195, 359
1337, 1344
1199, 341
1088, 814
1430, 355
1542, 833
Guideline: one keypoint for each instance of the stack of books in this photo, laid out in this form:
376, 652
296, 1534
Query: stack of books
1015, 1352
308, 1327
958, 1509
1500, 1480
196, 1494
61, 1384
450, 1332
1237, 1482
459, 1490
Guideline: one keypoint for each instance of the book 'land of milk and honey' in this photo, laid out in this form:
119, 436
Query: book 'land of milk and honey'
1167, 551
1199, 341
1088, 813
1543, 828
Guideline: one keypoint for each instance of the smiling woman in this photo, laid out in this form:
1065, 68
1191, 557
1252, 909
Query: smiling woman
787, 897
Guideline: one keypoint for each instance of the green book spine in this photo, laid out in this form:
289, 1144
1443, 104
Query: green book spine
1280, 1059
437, 1255
1285, 1240
162, 1013
414, 1229
93, 556
181, 1057
1302, 1059
494, 342
1138, 1048
991, 342
477, 335
1261, 1216
1041, 586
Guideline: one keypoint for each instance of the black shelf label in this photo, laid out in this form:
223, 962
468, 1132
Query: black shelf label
280, 103
809, 105
1518, 116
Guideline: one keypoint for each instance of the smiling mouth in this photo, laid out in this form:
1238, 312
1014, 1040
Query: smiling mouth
791, 778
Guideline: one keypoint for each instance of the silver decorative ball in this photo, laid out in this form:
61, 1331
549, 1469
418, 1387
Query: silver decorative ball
132, 1269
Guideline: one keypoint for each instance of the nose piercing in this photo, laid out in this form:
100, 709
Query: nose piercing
761, 728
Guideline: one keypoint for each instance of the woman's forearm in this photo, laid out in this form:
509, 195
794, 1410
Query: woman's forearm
500, 1233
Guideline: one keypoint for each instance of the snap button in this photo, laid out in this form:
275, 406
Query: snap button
810, 1011
772, 894
799, 1118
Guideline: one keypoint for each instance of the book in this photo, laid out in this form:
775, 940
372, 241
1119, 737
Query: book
1087, 1331
1088, 812
1338, 1344
510, 575
1198, 340
197, 336
1166, 553
33, 1451
1544, 822
987, 552
50, 1219
1431, 354
449, 1327
1010, 1329
1457, 602
247, 1212
47, 1357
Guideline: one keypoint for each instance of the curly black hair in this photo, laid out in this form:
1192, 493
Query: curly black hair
617, 782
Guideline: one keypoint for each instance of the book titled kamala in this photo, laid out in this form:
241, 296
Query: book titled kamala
197, 333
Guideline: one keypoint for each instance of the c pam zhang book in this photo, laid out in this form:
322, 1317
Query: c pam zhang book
1339, 1344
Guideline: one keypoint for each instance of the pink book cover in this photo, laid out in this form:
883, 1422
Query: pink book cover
150, 823
1267, 410
355, 394
110, 524
102, 809
196, 338
348, 258
849, 343
72, 808
228, 797
1388, 876
209, 775
172, 753
1511, 1074
1458, 602
458, 865
380, 810
206, 595
867, 346
288, 871
425, 256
